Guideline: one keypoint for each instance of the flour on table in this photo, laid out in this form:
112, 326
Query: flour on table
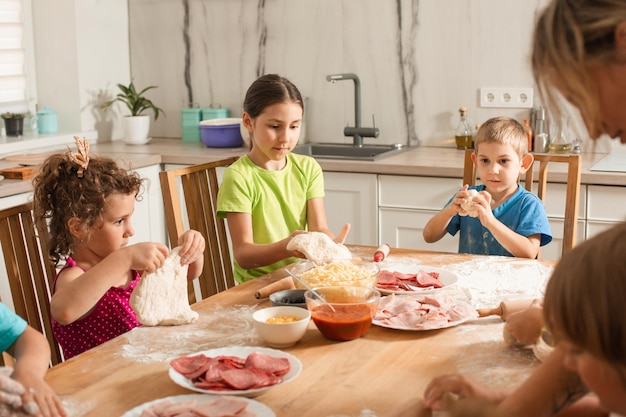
469, 206
318, 247
160, 298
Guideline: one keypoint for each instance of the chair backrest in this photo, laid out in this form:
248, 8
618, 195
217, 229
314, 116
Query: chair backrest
199, 189
572, 195
29, 269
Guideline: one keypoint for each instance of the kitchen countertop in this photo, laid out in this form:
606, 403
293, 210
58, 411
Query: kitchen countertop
422, 161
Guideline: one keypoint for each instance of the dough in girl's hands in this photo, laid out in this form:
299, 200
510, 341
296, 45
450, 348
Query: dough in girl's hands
468, 205
160, 297
318, 247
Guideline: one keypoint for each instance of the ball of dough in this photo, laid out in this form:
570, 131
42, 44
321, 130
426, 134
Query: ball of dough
468, 205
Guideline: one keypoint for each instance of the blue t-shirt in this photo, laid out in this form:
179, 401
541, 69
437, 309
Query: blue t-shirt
523, 213
11, 327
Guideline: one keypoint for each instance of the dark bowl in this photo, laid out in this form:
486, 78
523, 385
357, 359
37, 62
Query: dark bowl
288, 298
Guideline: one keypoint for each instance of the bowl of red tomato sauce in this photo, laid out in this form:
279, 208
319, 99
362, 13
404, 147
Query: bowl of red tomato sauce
342, 312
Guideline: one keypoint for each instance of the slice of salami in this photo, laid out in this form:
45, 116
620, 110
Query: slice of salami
190, 366
277, 366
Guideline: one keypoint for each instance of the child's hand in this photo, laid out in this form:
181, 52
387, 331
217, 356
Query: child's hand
11, 391
343, 234
192, 246
459, 198
459, 385
147, 256
482, 204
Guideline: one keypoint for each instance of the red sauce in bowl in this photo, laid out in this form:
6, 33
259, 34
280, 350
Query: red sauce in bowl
345, 323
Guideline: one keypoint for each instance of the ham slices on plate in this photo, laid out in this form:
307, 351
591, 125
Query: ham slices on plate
421, 312
209, 405
414, 279
237, 370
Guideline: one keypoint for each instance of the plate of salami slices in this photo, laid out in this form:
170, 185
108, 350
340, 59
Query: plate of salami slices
237, 370
209, 405
414, 279
422, 312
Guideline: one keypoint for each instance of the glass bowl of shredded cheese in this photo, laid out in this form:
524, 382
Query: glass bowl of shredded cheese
353, 272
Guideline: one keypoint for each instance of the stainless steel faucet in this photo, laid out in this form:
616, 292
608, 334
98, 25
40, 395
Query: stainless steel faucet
357, 132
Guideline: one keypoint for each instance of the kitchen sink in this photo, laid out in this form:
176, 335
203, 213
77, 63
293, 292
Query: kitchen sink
348, 151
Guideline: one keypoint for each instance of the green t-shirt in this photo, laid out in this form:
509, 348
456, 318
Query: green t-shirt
276, 200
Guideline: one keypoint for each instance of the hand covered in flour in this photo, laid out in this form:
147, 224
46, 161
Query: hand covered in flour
192, 246
145, 256
440, 390
524, 327
11, 391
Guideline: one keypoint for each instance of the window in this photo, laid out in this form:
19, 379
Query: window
17, 78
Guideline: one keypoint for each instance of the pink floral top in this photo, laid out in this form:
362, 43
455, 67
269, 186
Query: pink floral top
110, 317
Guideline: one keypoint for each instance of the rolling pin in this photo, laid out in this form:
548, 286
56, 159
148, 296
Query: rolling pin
381, 253
282, 284
506, 308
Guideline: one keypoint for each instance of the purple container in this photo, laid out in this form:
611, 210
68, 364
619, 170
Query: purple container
221, 133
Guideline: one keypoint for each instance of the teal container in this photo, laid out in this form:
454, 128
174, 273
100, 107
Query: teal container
190, 121
215, 113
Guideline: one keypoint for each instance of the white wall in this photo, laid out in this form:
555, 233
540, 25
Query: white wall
81, 53
418, 60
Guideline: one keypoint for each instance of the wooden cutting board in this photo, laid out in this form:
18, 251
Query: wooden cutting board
19, 173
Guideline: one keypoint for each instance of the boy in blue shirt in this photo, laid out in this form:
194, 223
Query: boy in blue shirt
24, 389
509, 220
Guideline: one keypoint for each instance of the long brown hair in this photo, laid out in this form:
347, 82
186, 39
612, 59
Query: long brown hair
584, 299
569, 36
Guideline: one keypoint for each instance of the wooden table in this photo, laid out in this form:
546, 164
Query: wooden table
385, 371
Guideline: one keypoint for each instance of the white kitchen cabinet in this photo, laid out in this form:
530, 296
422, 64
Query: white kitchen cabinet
604, 208
148, 220
352, 198
406, 204
555, 209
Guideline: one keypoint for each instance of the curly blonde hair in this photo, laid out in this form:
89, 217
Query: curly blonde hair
61, 194
569, 36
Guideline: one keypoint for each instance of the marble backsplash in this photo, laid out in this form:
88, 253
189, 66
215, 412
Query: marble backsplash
418, 60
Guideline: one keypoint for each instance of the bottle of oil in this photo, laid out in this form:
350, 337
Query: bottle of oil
560, 143
463, 135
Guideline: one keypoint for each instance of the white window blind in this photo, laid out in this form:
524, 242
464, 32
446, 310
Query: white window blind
14, 35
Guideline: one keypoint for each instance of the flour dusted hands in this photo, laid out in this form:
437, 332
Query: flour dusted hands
192, 246
11, 391
147, 256
459, 385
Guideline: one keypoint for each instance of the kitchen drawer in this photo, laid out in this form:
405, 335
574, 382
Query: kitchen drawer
605, 203
552, 251
428, 193
402, 228
596, 227
555, 200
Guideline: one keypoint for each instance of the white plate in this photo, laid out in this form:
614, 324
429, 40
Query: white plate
447, 278
242, 352
413, 329
470, 316
259, 409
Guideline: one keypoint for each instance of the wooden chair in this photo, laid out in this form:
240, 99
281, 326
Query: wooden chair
572, 196
29, 270
199, 189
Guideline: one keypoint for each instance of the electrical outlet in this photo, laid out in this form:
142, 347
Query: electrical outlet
506, 97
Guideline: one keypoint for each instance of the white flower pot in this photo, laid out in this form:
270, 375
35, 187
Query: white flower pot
137, 129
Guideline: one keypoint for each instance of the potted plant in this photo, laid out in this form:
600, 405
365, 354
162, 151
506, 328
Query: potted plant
137, 125
13, 123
